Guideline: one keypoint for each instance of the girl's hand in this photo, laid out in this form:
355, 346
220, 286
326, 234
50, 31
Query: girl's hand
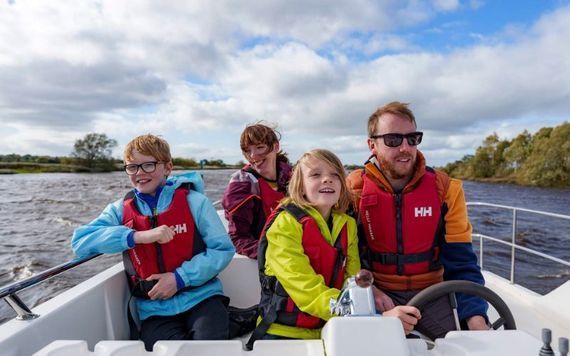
408, 315
164, 288
382, 301
161, 234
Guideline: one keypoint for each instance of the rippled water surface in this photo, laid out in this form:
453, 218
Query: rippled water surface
40, 211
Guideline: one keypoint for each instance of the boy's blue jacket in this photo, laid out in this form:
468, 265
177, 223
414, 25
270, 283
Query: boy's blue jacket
106, 234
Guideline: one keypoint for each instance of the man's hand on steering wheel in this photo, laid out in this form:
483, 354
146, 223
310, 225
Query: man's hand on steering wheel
408, 315
477, 322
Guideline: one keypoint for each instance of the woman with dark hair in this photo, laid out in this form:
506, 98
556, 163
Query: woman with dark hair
256, 189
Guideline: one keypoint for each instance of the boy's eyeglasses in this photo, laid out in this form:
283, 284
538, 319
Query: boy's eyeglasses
396, 139
147, 167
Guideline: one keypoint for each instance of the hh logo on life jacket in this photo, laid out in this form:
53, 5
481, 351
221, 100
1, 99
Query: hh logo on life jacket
179, 228
422, 211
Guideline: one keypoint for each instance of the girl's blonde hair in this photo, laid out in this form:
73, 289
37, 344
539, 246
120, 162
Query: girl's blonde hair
148, 145
296, 187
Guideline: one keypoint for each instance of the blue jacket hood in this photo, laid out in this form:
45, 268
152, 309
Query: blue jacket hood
194, 178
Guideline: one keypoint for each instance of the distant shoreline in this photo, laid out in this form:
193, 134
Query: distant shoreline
509, 180
26, 167
7, 168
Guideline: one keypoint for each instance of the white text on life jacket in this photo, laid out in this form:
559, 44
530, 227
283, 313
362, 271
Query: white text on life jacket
422, 211
369, 224
179, 228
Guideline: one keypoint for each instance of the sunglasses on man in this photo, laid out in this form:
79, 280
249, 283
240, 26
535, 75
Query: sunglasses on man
396, 139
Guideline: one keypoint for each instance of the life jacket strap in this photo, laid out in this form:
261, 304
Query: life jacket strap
269, 285
339, 262
261, 329
399, 259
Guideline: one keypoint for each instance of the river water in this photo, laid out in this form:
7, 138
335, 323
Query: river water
40, 211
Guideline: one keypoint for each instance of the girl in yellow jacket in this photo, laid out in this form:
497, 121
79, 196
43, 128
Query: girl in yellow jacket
308, 249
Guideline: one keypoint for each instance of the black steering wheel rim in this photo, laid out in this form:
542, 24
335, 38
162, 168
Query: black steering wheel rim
435, 291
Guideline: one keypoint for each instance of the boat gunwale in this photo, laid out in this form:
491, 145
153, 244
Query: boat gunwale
513, 243
17, 286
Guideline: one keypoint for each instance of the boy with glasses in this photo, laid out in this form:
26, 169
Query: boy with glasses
413, 224
173, 244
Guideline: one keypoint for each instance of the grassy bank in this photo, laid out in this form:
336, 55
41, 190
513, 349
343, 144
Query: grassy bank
25, 167
512, 179
505, 180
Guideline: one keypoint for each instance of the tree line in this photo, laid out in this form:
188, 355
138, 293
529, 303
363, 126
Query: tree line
92, 153
542, 159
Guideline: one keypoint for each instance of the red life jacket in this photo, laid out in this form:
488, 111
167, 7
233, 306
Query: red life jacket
403, 230
146, 259
269, 197
326, 260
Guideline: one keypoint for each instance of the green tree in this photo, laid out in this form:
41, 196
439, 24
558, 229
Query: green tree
518, 151
184, 162
94, 150
541, 159
549, 163
215, 163
499, 162
484, 164
489, 160
460, 168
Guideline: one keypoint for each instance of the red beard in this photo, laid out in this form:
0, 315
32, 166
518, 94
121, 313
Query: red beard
394, 172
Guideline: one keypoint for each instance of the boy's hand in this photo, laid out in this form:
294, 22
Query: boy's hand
381, 300
161, 234
164, 288
408, 315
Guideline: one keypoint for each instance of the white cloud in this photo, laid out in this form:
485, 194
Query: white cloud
476, 4
446, 5
192, 71
20, 138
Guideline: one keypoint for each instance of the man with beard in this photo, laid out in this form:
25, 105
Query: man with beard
413, 225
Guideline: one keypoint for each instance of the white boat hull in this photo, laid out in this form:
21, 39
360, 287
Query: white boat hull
94, 313
533, 311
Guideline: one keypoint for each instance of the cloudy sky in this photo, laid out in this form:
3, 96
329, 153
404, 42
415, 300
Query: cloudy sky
196, 72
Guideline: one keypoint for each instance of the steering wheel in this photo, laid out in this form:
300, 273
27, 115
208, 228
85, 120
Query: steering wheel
451, 287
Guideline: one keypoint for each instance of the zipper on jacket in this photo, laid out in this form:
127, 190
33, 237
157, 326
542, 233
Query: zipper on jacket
399, 240
159, 258
153, 219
